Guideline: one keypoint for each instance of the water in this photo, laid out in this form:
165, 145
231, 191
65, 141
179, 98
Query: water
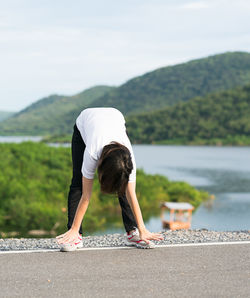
19, 139
222, 171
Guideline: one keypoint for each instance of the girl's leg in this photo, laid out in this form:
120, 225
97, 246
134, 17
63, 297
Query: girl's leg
127, 214
75, 191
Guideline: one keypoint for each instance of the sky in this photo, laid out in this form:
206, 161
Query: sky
63, 47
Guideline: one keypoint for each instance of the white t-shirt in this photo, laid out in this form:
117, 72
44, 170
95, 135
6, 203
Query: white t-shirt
98, 128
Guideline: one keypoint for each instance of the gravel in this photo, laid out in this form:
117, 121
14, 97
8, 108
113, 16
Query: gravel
117, 240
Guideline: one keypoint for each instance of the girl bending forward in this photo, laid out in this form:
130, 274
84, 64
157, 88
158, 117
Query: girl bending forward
100, 141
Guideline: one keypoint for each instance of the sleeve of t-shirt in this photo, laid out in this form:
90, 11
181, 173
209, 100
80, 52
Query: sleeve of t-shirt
132, 176
89, 165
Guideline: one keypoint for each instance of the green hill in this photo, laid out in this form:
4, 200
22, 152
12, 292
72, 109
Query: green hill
5, 115
153, 91
169, 85
222, 117
50, 115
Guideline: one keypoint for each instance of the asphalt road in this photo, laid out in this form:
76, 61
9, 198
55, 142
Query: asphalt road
199, 271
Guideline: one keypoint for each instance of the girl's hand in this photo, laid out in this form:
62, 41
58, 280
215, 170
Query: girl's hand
69, 236
145, 235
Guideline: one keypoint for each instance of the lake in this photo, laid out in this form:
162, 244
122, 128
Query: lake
19, 139
222, 171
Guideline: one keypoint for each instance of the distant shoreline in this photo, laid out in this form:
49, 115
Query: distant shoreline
66, 139
228, 142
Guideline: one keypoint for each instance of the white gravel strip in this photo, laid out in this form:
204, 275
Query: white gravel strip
117, 240
128, 247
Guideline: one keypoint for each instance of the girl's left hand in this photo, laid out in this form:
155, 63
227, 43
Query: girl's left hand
145, 235
69, 236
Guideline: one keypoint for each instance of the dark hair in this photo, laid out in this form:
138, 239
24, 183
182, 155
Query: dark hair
114, 167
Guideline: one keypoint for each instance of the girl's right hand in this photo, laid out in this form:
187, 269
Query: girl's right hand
145, 235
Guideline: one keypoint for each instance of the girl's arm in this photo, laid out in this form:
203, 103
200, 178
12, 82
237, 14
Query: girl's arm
72, 234
83, 204
134, 204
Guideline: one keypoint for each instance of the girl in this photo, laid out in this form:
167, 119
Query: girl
100, 142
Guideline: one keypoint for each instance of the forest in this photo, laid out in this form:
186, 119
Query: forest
34, 183
218, 118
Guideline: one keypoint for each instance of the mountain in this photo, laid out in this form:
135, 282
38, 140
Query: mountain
50, 115
169, 85
153, 91
5, 115
222, 115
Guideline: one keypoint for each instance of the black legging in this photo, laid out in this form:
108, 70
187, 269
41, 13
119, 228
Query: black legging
75, 192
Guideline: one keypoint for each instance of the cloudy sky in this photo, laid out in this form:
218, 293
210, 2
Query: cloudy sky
64, 47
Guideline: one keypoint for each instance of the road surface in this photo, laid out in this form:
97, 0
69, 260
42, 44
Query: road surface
195, 271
